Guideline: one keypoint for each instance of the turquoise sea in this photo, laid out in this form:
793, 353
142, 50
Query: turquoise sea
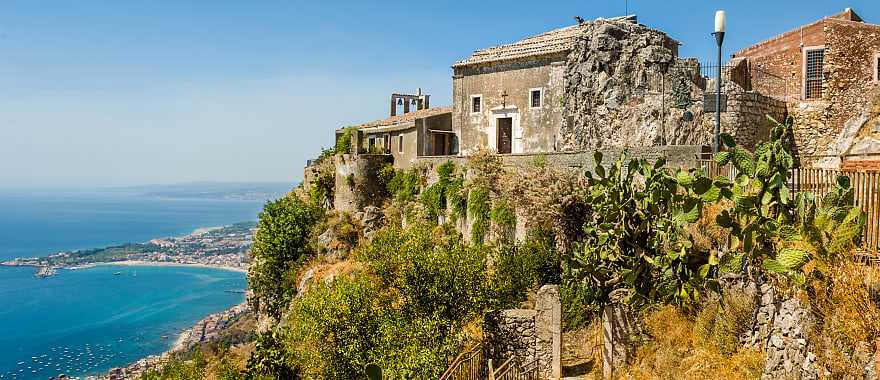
86, 321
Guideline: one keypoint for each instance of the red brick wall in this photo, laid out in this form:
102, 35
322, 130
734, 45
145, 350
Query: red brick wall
782, 57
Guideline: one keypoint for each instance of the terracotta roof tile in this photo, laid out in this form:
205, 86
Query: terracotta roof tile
555, 41
405, 118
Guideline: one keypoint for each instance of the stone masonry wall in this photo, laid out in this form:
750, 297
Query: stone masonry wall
509, 333
357, 181
528, 335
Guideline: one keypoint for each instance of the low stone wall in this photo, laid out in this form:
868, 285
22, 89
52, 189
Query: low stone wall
675, 155
509, 333
528, 335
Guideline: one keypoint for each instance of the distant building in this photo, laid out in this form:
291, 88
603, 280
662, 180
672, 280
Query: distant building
408, 135
832, 71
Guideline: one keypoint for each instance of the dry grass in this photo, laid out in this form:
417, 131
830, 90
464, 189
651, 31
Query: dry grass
678, 351
849, 318
705, 233
582, 352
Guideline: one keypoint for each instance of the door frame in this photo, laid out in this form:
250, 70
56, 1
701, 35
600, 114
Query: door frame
516, 132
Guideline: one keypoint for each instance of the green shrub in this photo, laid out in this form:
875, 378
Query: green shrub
479, 207
333, 330
404, 185
523, 267
280, 244
344, 143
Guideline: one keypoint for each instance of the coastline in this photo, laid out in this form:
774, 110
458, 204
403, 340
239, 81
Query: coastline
132, 263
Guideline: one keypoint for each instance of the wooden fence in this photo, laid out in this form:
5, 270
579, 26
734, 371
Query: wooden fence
866, 187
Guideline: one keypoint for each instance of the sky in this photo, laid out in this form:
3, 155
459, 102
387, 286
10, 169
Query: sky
119, 93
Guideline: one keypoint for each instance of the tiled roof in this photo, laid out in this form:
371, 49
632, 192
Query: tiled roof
555, 41
405, 118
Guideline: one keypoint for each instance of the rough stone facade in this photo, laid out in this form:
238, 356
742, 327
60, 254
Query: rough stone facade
528, 335
357, 181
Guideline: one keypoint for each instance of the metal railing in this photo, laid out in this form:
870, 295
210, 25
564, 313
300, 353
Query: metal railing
469, 365
512, 370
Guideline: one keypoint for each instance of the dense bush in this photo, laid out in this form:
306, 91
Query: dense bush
280, 244
406, 312
524, 266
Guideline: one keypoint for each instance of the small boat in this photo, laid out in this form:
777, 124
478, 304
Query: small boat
117, 273
20, 363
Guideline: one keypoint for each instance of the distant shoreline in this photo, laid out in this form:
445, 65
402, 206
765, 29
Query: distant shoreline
138, 263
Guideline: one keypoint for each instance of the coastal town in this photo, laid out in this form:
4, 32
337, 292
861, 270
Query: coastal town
220, 247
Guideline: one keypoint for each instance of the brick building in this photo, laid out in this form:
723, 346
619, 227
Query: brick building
832, 70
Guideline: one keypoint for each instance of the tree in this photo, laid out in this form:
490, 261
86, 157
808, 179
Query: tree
280, 244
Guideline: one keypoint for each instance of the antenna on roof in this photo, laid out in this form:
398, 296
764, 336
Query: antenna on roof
625, 7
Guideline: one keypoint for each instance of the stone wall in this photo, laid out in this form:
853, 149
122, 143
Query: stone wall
528, 335
357, 181
509, 333
675, 155
850, 51
746, 116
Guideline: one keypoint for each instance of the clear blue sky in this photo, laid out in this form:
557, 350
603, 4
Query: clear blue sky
98, 93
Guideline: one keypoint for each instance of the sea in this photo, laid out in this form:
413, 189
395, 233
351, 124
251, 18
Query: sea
86, 321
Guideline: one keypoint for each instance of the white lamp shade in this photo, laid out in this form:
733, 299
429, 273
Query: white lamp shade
720, 21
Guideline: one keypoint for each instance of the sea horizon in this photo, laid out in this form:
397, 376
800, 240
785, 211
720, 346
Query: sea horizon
146, 307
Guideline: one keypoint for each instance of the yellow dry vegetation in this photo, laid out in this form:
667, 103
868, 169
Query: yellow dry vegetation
682, 347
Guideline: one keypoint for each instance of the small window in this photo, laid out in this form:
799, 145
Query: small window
536, 98
476, 103
400, 144
877, 67
814, 60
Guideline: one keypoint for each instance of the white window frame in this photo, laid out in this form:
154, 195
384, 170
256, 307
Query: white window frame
804, 52
471, 104
400, 143
876, 67
540, 91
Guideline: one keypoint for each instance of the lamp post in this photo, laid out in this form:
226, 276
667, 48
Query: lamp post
720, 25
664, 68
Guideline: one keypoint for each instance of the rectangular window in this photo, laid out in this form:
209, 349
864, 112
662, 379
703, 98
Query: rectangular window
814, 60
400, 144
877, 67
536, 98
476, 103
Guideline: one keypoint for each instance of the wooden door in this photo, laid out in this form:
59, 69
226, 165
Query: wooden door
505, 135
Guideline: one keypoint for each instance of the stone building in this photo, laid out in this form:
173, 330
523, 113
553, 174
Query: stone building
508, 98
407, 136
831, 69
606, 83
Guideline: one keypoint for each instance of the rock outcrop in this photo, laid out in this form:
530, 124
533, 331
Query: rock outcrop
615, 90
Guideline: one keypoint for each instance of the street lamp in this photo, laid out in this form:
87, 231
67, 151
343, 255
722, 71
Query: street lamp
664, 68
720, 25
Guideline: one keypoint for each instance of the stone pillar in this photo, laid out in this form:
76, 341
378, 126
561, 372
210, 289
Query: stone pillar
617, 330
548, 332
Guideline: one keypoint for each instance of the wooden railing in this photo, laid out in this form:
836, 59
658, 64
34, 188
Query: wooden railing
469, 365
866, 186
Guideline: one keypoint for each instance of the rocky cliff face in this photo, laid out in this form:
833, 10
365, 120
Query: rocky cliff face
615, 90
